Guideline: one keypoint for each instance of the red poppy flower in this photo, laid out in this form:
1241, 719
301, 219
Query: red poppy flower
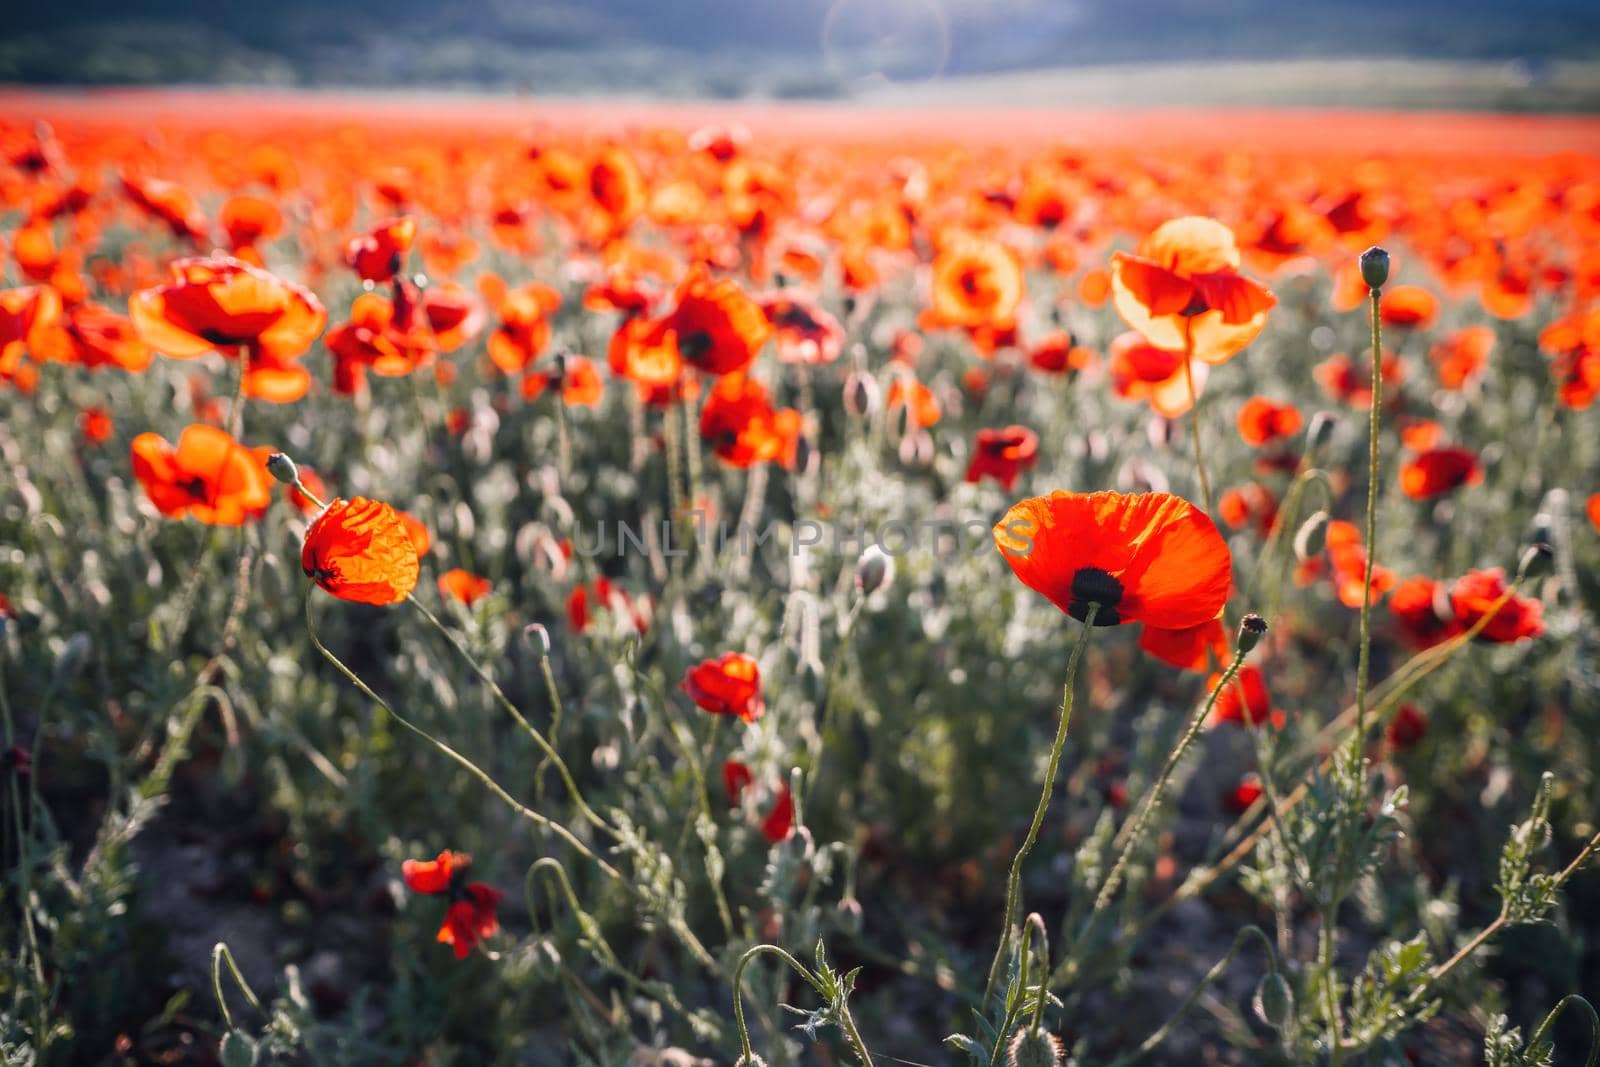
1342, 380
360, 550
457, 584
727, 686
581, 385
742, 427
208, 476
1408, 726
1245, 700
803, 331
1238, 799
435, 875
30, 321
1249, 505
1592, 506
1438, 471
388, 337
1262, 420
717, 326
1003, 455
1192, 648
1056, 353
471, 918
1183, 291
95, 425
1150, 558
380, 254
524, 330
736, 778
99, 337
778, 824
1408, 305
1141, 371
1423, 612
1473, 594
169, 203
1460, 358
1349, 558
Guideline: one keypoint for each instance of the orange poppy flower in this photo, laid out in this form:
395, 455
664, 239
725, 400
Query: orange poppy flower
908, 392
730, 685
616, 191
1056, 353
435, 875
1423, 612
743, 428
360, 550
1182, 288
524, 330
1262, 420
719, 329
30, 321
219, 303
169, 203
1473, 594
1342, 380
1252, 505
1408, 305
1151, 557
977, 281
645, 352
99, 337
1192, 648
455, 315
1003, 455
1438, 471
1592, 506
581, 384
1141, 371
1348, 556
421, 539
464, 586
249, 220
1460, 358
388, 337
208, 476
380, 254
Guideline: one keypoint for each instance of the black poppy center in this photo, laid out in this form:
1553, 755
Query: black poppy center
1197, 306
694, 344
1091, 585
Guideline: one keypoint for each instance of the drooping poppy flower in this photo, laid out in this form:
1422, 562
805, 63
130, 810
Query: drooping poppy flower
1460, 358
435, 875
461, 585
1423, 613
803, 331
1183, 291
1408, 306
1438, 471
380, 254
209, 476
1141, 371
1151, 557
1245, 700
977, 281
730, 685
1408, 727
1003, 455
99, 337
717, 326
742, 427
1192, 648
1475, 593
360, 550
1262, 421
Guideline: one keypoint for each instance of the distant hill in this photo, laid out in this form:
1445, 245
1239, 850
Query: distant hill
736, 48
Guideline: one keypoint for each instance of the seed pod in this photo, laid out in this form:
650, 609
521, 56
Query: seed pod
1375, 267
282, 468
1321, 428
1251, 629
875, 569
1274, 1000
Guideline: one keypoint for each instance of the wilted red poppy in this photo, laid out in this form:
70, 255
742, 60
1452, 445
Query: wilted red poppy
360, 550
1262, 420
1439, 470
435, 875
380, 254
1183, 291
718, 327
1408, 726
461, 585
1150, 558
1461, 357
1423, 612
1245, 700
977, 281
1408, 305
1003, 455
1192, 648
730, 685
742, 427
208, 476
1473, 594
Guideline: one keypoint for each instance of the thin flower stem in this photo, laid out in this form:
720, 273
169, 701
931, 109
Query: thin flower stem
220, 955
1363, 663
1330, 987
1194, 417
1136, 830
1014, 878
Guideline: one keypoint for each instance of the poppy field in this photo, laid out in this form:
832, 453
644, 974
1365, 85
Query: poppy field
581, 585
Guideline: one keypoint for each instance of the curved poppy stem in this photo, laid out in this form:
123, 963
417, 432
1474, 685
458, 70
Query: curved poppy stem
1014, 878
1363, 663
1136, 829
532, 731
1194, 416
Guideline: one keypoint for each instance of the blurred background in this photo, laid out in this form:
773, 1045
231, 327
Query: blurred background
1477, 54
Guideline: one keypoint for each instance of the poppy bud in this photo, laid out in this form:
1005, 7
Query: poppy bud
1375, 267
861, 394
1321, 429
1312, 537
538, 637
282, 468
1535, 561
1274, 1000
875, 569
1034, 1048
1251, 627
